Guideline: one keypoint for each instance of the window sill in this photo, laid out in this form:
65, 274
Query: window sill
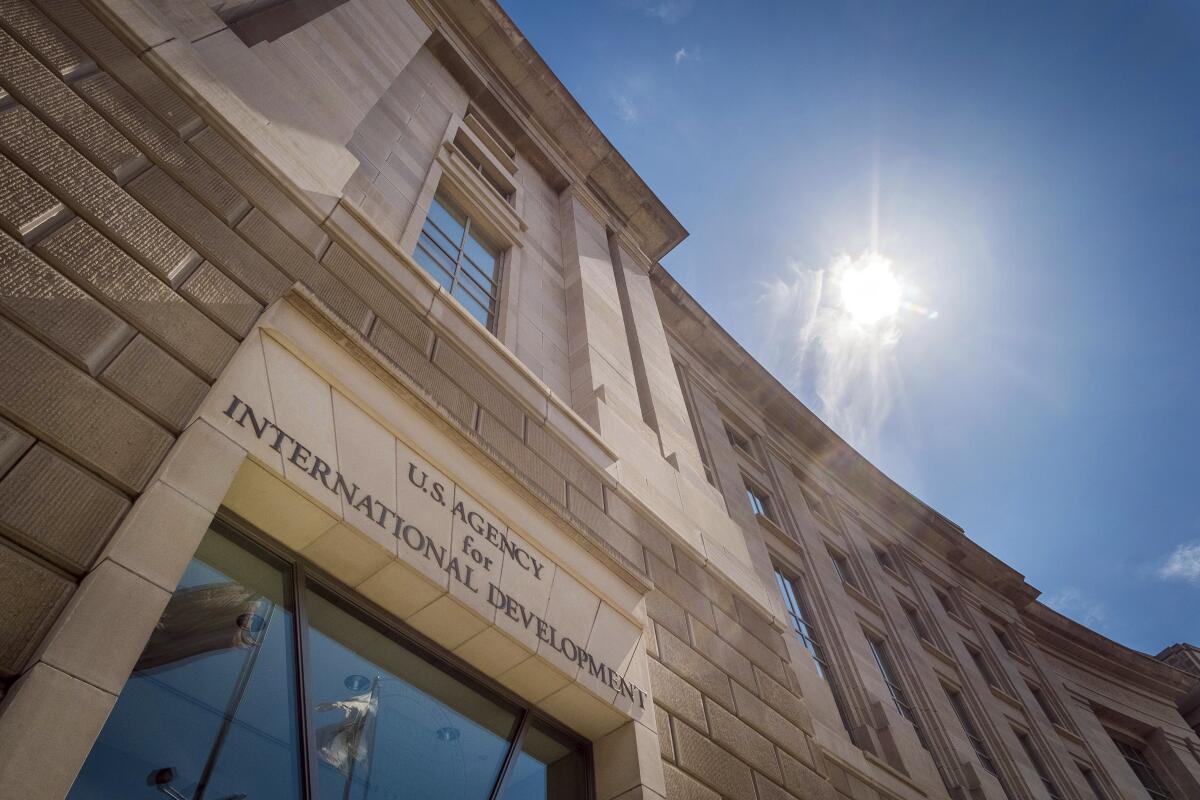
1006, 697
1067, 733
938, 653
895, 574
771, 525
861, 596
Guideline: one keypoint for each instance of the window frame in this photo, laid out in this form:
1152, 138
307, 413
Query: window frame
1140, 766
451, 204
1038, 763
761, 501
306, 577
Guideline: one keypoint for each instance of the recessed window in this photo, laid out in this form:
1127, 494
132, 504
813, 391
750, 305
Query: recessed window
760, 502
816, 503
1093, 781
885, 559
968, 726
475, 156
841, 565
1035, 758
1044, 703
739, 440
798, 613
1006, 642
462, 258
948, 604
250, 646
891, 679
916, 622
1135, 757
982, 666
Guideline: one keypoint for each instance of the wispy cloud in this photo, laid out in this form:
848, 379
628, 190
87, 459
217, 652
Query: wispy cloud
842, 368
669, 11
686, 54
626, 109
1078, 606
1182, 564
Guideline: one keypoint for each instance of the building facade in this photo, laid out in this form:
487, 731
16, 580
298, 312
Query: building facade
354, 443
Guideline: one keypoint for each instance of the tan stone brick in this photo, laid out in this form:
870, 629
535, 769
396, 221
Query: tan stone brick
59, 510
299, 265
31, 596
262, 190
603, 525
769, 790
44, 92
226, 303
79, 251
681, 786
91, 194
145, 375
209, 235
384, 300
522, 459
57, 402
61, 313
115, 58
583, 477
41, 36
721, 652
749, 645
694, 668
804, 782
474, 382
742, 740
770, 723
26, 208
163, 145
677, 695
666, 740
13, 444
694, 573
668, 581
667, 613
417, 366
784, 701
712, 764
760, 626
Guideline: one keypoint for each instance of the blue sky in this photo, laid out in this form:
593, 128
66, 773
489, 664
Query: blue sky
1031, 171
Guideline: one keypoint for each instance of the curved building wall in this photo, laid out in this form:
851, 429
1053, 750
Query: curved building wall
357, 291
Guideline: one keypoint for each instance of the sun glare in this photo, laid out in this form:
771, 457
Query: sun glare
870, 290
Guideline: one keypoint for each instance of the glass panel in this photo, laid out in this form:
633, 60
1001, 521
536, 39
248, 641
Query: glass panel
210, 710
547, 768
391, 724
482, 253
449, 219
477, 309
432, 265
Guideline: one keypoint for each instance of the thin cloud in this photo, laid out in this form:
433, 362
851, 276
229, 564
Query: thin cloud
626, 109
1075, 604
845, 373
685, 54
669, 11
1183, 564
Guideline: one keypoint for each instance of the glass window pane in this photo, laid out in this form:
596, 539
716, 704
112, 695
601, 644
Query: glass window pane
390, 723
482, 252
429, 257
449, 219
478, 310
211, 705
548, 768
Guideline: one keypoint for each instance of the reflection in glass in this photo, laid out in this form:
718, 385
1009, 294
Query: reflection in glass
458, 255
548, 767
391, 724
210, 710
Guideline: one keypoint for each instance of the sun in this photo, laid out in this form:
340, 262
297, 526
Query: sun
870, 290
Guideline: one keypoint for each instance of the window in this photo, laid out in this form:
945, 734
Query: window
1006, 642
817, 504
916, 622
947, 603
982, 666
261, 682
461, 258
793, 601
1136, 759
841, 566
968, 726
739, 440
1044, 703
482, 165
884, 662
885, 559
1039, 766
1093, 782
760, 502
